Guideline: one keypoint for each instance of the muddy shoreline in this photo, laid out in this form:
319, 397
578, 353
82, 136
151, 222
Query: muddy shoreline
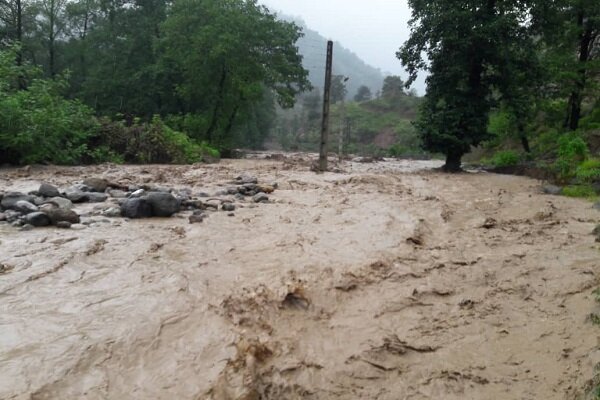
381, 281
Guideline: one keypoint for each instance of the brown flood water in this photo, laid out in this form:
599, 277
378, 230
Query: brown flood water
378, 282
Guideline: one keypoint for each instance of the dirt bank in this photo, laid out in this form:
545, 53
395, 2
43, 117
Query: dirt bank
378, 282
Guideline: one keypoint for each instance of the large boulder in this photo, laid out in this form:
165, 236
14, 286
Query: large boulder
60, 214
48, 190
163, 204
96, 184
552, 190
9, 201
37, 219
136, 208
76, 194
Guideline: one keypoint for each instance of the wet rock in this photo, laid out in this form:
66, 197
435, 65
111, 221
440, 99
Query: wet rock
60, 214
596, 232
117, 194
11, 215
48, 190
239, 196
37, 219
232, 190
112, 212
95, 197
260, 198
196, 218
195, 204
78, 227
228, 207
202, 194
136, 208
76, 195
27, 227
246, 178
38, 201
265, 188
552, 190
213, 203
17, 224
163, 204
221, 192
63, 224
490, 223
138, 193
231, 214
10, 200
2, 217
25, 207
96, 184
60, 202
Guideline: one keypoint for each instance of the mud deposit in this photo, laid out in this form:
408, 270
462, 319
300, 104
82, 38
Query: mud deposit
382, 281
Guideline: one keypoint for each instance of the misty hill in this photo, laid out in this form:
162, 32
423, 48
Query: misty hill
313, 46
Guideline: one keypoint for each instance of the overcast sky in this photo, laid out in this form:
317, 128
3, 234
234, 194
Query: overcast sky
373, 29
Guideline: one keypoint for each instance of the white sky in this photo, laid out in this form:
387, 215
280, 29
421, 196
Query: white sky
373, 29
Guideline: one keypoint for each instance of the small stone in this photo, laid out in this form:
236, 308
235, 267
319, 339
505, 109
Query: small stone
96, 184
17, 224
112, 212
78, 227
265, 188
117, 194
95, 197
221, 192
61, 202
11, 215
196, 219
63, 224
76, 195
2, 217
239, 196
138, 193
213, 203
246, 178
552, 190
25, 207
48, 190
163, 204
202, 194
232, 190
136, 208
27, 227
231, 215
37, 219
260, 198
228, 207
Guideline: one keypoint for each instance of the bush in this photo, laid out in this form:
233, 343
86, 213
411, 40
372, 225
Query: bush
153, 142
38, 125
588, 171
572, 151
584, 191
506, 158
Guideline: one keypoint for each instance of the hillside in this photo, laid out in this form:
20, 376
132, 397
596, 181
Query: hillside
313, 48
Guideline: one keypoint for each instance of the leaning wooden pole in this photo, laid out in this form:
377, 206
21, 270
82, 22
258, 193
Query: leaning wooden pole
326, 102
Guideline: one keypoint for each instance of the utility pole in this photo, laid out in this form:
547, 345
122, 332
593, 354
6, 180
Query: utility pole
326, 99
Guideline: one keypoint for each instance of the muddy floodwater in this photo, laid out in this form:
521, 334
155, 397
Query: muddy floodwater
384, 280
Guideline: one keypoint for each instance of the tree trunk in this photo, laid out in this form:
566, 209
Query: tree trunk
453, 162
574, 107
218, 105
524, 139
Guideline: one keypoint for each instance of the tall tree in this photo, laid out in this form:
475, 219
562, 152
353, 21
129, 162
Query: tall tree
466, 44
393, 87
363, 94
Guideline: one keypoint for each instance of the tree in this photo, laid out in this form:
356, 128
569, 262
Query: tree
363, 94
468, 47
338, 88
393, 87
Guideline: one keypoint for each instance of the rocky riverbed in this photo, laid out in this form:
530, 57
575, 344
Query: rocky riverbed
259, 279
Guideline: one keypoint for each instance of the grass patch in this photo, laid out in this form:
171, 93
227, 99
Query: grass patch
580, 191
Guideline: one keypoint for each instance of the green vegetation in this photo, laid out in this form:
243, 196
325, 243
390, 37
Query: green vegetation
141, 81
498, 81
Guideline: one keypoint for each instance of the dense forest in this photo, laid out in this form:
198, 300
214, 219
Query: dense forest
522, 76
141, 80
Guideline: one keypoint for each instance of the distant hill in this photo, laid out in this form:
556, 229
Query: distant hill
313, 47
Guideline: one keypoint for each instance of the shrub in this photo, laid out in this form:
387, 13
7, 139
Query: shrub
572, 151
588, 171
584, 191
506, 158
